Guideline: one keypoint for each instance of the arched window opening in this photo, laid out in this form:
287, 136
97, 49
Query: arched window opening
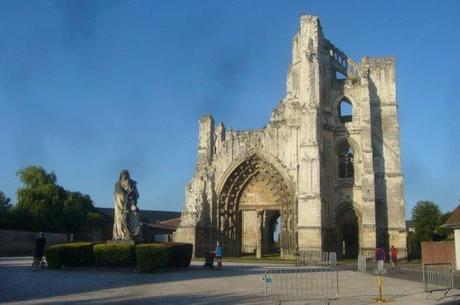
345, 158
345, 111
340, 76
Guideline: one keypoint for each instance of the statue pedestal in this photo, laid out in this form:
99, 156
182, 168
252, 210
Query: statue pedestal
121, 242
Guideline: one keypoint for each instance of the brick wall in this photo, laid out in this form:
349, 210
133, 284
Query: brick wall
23, 242
438, 252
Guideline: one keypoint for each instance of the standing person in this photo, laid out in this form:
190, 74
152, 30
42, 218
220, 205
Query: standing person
394, 257
219, 253
40, 244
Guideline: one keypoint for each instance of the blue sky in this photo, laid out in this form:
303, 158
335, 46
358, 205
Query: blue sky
88, 88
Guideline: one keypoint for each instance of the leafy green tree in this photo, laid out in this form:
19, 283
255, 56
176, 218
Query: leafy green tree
413, 246
47, 205
4, 201
426, 218
5, 207
42, 198
443, 233
75, 208
92, 227
94, 220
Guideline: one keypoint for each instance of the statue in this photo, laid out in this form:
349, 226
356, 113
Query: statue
126, 212
222, 223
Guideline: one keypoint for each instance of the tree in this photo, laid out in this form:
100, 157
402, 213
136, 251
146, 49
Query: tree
443, 233
4, 201
94, 224
94, 220
426, 218
5, 207
42, 198
75, 208
47, 205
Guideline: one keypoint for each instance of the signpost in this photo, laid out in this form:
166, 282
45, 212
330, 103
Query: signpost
380, 271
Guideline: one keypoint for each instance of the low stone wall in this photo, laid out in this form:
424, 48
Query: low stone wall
14, 243
438, 252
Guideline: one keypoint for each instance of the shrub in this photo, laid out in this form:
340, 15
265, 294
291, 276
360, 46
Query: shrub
70, 255
115, 255
180, 255
54, 256
151, 257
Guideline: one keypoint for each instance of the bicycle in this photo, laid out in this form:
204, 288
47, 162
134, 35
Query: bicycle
38, 263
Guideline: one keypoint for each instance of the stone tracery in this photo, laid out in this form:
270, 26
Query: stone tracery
255, 169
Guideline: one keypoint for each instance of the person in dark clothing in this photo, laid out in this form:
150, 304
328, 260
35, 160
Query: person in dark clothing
40, 245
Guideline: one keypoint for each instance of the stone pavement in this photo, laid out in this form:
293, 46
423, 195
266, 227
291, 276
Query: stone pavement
238, 283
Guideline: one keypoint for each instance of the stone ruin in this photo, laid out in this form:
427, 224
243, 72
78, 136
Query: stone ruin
326, 169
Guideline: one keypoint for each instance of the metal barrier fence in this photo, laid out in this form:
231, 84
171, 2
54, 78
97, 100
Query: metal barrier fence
301, 284
362, 263
316, 258
438, 277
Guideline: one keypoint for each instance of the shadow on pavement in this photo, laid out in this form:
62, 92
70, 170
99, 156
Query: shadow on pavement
19, 283
176, 299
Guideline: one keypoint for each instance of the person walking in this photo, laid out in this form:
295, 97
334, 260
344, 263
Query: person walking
394, 257
219, 253
40, 245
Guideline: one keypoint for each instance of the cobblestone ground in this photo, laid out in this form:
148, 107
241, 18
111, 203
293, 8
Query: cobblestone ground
238, 283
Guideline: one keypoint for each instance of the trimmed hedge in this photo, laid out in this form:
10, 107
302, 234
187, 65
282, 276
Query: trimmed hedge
180, 255
151, 257
147, 257
70, 255
115, 255
54, 256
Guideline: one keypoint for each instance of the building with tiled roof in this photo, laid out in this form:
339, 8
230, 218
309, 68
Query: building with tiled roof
453, 222
158, 225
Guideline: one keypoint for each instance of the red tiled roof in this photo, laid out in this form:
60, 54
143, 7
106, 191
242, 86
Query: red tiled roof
454, 220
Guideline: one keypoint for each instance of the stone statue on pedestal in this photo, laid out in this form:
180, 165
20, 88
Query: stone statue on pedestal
126, 213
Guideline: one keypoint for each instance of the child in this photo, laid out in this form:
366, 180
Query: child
219, 252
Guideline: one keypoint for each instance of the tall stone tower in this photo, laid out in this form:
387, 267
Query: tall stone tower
325, 172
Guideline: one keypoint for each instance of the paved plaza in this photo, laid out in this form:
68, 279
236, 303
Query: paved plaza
238, 283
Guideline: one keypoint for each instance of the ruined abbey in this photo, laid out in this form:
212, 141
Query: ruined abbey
325, 172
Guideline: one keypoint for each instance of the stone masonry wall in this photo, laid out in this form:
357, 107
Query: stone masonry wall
23, 242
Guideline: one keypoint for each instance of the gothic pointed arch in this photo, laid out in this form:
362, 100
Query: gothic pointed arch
344, 105
349, 230
256, 170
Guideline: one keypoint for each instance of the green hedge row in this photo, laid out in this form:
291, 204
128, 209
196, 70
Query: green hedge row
112, 255
163, 255
146, 257
70, 255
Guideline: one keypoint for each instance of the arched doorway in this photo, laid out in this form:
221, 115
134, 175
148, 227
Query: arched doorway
253, 196
271, 232
347, 233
